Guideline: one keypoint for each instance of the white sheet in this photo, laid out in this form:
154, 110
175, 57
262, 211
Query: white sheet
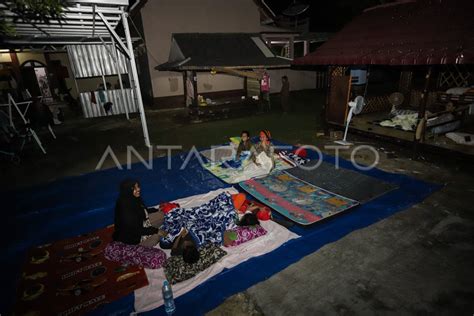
251, 170
150, 297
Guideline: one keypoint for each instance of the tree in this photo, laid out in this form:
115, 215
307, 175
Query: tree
31, 11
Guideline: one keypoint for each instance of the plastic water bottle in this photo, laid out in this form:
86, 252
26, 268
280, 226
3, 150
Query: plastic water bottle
168, 298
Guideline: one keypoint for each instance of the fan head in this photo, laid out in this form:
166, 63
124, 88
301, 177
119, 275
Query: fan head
396, 99
358, 104
295, 9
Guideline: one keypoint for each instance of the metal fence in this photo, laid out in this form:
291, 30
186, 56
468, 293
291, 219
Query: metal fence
95, 60
121, 103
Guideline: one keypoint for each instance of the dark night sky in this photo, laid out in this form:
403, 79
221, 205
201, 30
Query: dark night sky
327, 16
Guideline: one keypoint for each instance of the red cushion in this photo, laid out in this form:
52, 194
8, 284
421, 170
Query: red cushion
300, 152
167, 207
264, 214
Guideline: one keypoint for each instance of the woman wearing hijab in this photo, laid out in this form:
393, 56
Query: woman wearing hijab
265, 146
133, 224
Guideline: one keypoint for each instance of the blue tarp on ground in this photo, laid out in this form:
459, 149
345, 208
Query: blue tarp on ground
77, 205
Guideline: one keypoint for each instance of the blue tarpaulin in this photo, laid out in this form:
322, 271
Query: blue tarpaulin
76, 205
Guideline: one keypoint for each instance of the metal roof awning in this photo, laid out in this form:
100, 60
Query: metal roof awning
205, 51
402, 33
82, 22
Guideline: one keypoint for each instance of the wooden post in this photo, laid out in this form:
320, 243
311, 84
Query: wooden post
194, 81
185, 90
328, 93
420, 129
305, 48
367, 82
16, 69
291, 48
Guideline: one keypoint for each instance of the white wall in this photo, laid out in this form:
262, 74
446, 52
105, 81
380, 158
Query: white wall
218, 82
299, 80
161, 18
5, 58
25, 56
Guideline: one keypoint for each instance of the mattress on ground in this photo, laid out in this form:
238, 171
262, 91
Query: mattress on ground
345, 182
149, 297
73, 276
232, 175
296, 199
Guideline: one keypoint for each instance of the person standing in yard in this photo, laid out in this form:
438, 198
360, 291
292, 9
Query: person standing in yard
285, 94
265, 91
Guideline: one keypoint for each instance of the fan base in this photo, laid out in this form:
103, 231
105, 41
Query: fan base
343, 142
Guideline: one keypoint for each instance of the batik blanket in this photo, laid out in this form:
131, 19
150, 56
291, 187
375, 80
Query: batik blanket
176, 270
206, 223
292, 158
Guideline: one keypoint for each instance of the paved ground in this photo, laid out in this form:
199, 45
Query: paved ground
419, 261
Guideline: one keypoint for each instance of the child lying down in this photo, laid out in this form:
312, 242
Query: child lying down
185, 230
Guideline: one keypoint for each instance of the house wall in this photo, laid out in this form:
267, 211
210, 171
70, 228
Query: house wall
161, 18
86, 84
5, 58
22, 57
299, 80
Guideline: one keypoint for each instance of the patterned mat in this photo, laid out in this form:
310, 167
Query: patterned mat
295, 199
72, 276
349, 183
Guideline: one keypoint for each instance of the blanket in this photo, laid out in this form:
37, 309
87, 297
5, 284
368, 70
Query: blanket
206, 223
176, 270
407, 122
262, 166
292, 158
235, 175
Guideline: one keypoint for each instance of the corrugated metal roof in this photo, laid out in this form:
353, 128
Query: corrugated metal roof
95, 60
403, 33
203, 51
80, 23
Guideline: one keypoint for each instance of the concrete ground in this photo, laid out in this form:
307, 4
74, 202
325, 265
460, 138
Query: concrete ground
419, 261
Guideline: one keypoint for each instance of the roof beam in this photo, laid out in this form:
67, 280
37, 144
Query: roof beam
108, 2
67, 16
61, 27
114, 34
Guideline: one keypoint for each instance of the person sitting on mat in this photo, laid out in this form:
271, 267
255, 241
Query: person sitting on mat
134, 223
245, 143
265, 146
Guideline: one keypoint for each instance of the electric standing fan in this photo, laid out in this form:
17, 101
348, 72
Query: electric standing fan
355, 107
395, 99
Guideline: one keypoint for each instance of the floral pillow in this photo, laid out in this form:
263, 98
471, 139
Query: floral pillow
241, 234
